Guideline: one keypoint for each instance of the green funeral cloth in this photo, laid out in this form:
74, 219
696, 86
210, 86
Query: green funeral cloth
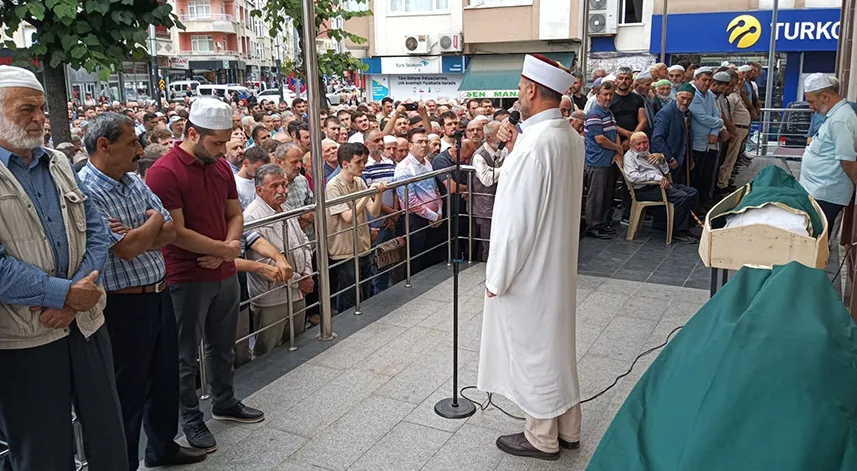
763, 377
773, 185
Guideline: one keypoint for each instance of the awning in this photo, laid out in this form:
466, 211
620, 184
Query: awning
497, 76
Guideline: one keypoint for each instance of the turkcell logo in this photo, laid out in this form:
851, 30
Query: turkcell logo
745, 31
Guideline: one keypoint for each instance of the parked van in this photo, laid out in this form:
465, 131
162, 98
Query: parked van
224, 92
179, 89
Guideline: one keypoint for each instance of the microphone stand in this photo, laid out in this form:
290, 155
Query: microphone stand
451, 408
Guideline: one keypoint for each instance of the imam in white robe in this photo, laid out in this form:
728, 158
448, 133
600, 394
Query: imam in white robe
528, 330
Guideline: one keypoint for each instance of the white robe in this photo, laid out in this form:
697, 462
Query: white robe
528, 330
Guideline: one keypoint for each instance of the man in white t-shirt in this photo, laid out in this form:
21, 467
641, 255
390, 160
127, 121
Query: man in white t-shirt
245, 179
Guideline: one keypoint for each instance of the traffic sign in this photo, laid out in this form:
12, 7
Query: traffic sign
162, 85
296, 85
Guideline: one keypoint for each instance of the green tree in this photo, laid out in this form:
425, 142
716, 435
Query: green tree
277, 14
92, 34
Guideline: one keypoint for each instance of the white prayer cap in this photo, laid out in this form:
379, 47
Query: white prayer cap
724, 64
159, 114
816, 82
745, 68
275, 116
609, 78
547, 73
116, 103
176, 118
676, 67
16, 77
481, 117
432, 136
644, 75
703, 70
388, 139
211, 113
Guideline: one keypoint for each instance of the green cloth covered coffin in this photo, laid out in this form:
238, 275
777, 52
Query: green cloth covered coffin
763, 377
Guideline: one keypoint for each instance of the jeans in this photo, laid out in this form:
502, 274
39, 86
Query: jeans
345, 279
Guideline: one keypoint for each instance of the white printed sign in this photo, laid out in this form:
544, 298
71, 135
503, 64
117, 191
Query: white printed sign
423, 87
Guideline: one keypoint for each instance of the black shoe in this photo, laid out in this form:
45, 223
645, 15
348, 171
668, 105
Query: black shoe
598, 234
238, 413
569, 445
625, 221
199, 437
518, 445
183, 455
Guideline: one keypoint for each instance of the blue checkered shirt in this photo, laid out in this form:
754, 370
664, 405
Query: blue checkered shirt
127, 201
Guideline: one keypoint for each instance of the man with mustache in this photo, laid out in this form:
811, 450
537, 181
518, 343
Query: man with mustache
671, 130
196, 185
54, 348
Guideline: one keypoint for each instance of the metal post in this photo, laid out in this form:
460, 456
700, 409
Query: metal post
449, 223
470, 218
407, 240
291, 308
153, 51
203, 374
769, 86
584, 43
314, 97
356, 258
664, 34
280, 67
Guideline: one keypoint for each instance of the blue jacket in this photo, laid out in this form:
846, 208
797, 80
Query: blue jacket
669, 136
705, 119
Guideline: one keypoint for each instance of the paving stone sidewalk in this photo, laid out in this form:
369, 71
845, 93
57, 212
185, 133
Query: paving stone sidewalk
367, 402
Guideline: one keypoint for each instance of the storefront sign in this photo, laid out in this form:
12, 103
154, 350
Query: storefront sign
179, 63
412, 65
380, 87
797, 30
423, 87
490, 94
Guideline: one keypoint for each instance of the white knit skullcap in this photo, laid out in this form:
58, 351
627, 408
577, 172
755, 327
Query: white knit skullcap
745, 68
676, 67
211, 113
547, 73
388, 139
16, 77
816, 82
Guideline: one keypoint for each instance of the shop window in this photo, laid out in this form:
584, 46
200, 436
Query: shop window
202, 43
414, 6
631, 12
358, 5
198, 9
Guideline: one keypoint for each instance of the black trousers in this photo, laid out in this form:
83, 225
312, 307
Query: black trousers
142, 331
683, 197
37, 389
830, 210
599, 196
345, 279
423, 240
704, 174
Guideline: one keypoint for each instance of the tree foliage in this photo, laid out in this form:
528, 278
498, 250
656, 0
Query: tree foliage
277, 14
87, 34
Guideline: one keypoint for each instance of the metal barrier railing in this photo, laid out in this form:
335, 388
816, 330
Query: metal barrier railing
780, 133
351, 200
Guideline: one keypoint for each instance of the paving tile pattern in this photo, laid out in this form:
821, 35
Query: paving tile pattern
367, 402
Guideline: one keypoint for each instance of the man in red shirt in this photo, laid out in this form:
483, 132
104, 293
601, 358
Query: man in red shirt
197, 187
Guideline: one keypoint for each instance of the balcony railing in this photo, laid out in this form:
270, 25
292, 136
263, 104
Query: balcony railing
209, 17
219, 52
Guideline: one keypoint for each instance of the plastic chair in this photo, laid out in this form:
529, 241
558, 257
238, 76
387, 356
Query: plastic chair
638, 208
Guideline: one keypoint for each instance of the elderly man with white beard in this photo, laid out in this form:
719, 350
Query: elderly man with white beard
54, 348
528, 332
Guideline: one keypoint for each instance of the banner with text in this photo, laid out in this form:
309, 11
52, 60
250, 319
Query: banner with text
423, 87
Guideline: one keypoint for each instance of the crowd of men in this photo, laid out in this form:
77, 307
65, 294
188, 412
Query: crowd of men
125, 248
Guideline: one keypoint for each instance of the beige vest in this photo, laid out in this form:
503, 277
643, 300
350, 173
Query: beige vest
24, 238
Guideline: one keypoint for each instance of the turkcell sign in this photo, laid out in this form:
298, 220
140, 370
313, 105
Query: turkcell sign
797, 30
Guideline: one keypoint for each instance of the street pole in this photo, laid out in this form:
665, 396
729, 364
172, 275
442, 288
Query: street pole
310, 63
769, 84
280, 67
664, 34
584, 42
156, 80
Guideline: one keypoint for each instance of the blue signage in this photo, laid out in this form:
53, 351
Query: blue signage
453, 64
800, 30
379, 88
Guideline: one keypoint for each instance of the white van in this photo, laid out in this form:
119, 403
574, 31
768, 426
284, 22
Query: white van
224, 92
178, 89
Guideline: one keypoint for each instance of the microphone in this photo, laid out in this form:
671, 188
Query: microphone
514, 118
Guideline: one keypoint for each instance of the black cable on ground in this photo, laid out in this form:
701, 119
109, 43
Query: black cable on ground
489, 402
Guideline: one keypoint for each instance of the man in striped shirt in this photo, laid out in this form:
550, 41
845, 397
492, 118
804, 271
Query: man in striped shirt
139, 313
602, 149
381, 169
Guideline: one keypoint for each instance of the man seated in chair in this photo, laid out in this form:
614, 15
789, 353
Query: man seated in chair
646, 172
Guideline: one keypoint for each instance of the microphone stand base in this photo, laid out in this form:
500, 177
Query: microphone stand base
447, 410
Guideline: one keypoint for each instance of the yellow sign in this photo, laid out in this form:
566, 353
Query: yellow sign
162, 85
746, 29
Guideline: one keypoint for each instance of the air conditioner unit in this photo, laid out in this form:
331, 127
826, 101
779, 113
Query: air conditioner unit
603, 17
451, 42
417, 44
